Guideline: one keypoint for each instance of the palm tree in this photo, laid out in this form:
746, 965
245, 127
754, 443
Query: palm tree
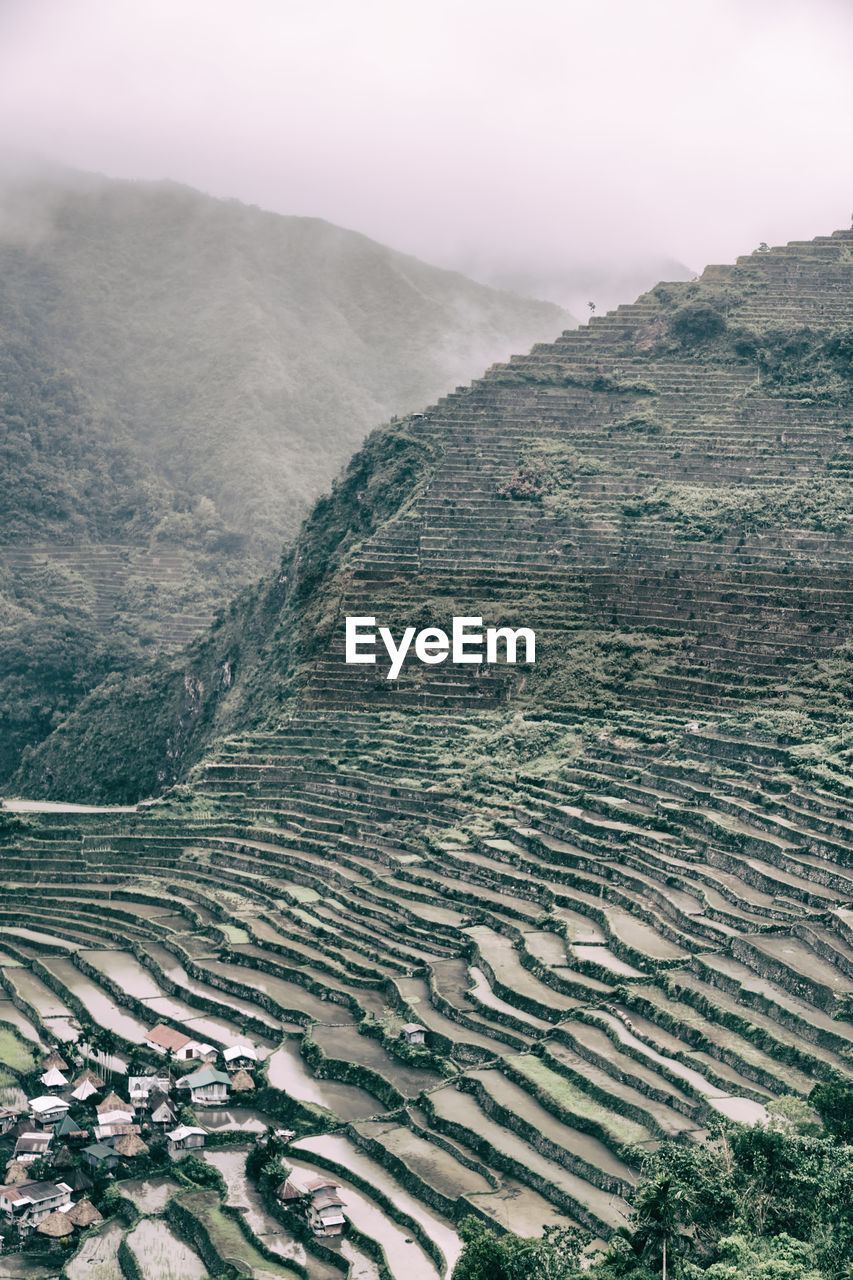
105, 1042
660, 1210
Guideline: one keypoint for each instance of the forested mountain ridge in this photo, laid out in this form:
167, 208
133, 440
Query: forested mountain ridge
246, 353
179, 377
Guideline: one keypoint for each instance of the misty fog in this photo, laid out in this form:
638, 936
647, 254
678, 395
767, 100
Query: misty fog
575, 151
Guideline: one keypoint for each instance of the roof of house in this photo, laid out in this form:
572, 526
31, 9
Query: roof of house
184, 1131
77, 1180
67, 1128
100, 1150
103, 1132
326, 1198
241, 1081
299, 1183
205, 1076
56, 1225
240, 1051
411, 1028
84, 1090
16, 1173
54, 1079
112, 1102
30, 1143
120, 1116
84, 1213
55, 1059
91, 1076
36, 1192
167, 1037
130, 1145
46, 1103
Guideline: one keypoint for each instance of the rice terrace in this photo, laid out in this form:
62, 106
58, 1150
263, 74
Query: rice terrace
326, 965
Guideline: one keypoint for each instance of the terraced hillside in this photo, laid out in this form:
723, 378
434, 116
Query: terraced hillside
604, 954
614, 889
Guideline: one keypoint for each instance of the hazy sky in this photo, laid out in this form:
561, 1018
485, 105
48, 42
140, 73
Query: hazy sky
528, 136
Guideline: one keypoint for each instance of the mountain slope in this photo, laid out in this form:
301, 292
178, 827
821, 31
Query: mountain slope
179, 378
613, 891
664, 496
246, 353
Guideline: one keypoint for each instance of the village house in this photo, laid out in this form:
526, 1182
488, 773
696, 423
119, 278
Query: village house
317, 1199
184, 1138
242, 1082
56, 1060
130, 1145
8, 1118
109, 1133
161, 1112
111, 1103
84, 1091
206, 1052
87, 1075
32, 1146
30, 1202
77, 1180
163, 1038
140, 1088
208, 1087
100, 1156
69, 1130
54, 1079
46, 1110
413, 1033
56, 1226
83, 1214
240, 1055
119, 1116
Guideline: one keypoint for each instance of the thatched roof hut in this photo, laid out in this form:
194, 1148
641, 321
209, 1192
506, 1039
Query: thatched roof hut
56, 1225
112, 1102
130, 1145
16, 1173
54, 1079
83, 1214
91, 1077
241, 1081
84, 1091
56, 1060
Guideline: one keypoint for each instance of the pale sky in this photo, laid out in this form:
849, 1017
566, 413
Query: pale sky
532, 137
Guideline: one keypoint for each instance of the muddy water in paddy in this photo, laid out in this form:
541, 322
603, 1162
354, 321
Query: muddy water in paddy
404, 1258
9, 1013
174, 970
288, 1071
232, 1118
150, 1194
101, 1007
161, 1254
97, 1257
36, 993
